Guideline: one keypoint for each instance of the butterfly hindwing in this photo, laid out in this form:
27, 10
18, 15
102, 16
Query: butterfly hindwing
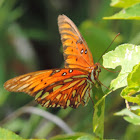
53, 88
75, 49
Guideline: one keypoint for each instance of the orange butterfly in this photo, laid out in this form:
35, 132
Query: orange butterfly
65, 87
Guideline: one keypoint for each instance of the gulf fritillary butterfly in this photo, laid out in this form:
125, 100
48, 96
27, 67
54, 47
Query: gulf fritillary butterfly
69, 86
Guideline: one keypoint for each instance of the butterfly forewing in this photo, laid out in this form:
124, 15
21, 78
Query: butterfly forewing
76, 52
53, 88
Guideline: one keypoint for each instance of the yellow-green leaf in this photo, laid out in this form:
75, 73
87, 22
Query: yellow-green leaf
76, 136
132, 12
133, 80
126, 56
123, 3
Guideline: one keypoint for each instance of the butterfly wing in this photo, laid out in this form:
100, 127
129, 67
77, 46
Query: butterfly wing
75, 49
53, 88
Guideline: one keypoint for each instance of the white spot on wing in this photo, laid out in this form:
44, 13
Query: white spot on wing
82, 51
70, 70
57, 70
64, 74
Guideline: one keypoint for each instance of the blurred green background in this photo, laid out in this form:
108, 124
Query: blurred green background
30, 41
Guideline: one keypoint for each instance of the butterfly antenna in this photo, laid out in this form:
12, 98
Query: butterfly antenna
108, 46
109, 70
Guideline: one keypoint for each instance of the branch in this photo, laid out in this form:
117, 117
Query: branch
47, 115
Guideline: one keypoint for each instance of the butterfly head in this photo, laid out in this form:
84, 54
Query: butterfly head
95, 72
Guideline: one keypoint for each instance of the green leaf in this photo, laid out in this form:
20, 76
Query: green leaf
77, 136
123, 3
132, 12
98, 117
6, 134
133, 87
126, 56
129, 115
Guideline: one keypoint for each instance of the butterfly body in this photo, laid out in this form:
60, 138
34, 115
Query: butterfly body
69, 86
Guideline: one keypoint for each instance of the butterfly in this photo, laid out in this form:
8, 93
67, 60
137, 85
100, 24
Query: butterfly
69, 86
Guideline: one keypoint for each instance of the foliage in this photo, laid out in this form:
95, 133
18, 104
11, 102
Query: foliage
98, 117
30, 41
6, 134
131, 116
131, 9
78, 136
133, 86
123, 3
126, 56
